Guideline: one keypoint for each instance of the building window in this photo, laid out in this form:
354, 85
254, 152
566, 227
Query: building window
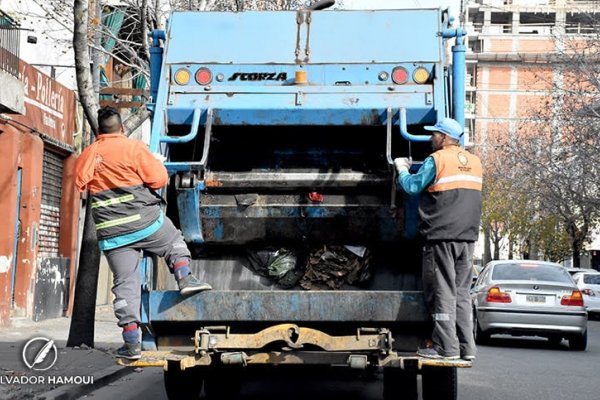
536, 23
581, 23
9, 45
501, 22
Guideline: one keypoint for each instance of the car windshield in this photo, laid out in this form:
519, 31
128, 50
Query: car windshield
591, 279
530, 272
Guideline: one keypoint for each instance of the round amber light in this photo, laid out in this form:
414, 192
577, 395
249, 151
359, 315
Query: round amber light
421, 75
182, 76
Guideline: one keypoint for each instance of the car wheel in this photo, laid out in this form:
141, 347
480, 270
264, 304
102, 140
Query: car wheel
480, 336
399, 384
555, 340
578, 342
440, 383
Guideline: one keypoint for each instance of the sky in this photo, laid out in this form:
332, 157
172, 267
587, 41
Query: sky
374, 4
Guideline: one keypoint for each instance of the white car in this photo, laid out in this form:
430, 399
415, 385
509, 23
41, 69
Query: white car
529, 298
589, 284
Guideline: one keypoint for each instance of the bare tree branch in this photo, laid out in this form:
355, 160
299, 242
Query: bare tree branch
144, 24
87, 96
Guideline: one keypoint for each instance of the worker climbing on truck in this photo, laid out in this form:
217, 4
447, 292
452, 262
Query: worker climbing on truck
122, 176
450, 182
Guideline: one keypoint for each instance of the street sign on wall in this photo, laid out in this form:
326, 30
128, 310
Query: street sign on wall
49, 106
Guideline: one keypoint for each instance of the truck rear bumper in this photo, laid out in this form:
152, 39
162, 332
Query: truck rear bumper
216, 306
393, 360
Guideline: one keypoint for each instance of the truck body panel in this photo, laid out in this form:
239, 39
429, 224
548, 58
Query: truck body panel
280, 130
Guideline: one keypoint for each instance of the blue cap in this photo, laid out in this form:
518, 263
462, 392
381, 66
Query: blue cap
449, 127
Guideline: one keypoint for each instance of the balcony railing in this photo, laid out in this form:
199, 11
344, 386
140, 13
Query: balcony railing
9, 45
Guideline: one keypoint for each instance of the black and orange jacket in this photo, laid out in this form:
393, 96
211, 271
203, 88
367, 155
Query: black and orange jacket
122, 175
450, 208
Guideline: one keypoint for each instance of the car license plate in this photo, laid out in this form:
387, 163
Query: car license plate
535, 299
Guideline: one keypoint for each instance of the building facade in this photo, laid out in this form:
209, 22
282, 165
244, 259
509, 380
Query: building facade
38, 202
512, 47
514, 64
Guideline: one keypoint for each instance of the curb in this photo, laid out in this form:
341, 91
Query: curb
102, 378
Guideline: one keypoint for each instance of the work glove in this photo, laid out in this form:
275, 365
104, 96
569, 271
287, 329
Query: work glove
402, 164
159, 157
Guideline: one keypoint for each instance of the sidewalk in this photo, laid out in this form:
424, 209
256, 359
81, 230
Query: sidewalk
76, 370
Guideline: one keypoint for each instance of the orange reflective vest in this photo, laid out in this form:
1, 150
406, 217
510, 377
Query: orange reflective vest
450, 208
456, 168
122, 175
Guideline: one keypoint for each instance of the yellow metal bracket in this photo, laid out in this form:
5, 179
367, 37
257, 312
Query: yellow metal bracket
162, 358
292, 337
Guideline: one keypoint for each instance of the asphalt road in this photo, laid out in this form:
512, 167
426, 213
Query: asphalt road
510, 368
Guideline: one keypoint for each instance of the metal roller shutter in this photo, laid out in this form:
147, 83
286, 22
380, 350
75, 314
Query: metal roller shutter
51, 194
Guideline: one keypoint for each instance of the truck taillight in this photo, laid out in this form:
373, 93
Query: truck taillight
495, 295
203, 76
399, 75
182, 76
575, 299
420, 75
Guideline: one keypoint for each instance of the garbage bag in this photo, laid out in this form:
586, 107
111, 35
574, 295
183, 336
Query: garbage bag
279, 265
332, 267
282, 262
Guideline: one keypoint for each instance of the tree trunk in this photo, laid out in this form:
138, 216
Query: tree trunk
144, 24
96, 54
534, 253
86, 286
526, 250
576, 254
85, 86
84, 304
496, 249
577, 235
487, 251
511, 249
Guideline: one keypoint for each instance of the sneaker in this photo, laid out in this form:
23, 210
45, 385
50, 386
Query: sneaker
434, 354
468, 358
190, 284
130, 351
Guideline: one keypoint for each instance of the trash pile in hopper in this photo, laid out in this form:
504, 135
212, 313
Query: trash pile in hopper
324, 268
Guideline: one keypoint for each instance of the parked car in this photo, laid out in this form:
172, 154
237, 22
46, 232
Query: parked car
589, 284
533, 298
574, 271
476, 271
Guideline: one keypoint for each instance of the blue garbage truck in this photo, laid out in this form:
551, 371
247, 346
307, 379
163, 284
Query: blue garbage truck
280, 129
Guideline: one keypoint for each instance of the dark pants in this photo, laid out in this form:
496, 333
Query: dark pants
166, 242
447, 277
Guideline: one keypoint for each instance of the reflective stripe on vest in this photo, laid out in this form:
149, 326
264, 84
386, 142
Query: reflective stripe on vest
118, 221
113, 201
458, 182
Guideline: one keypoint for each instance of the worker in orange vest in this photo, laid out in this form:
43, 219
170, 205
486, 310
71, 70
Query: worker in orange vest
449, 182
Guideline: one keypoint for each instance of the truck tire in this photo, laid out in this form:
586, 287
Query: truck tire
440, 383
223, 383
399, 384
182, 384
578, 342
